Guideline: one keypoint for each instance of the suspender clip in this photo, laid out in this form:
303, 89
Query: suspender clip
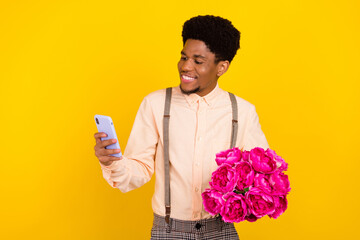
167, 219
167, 214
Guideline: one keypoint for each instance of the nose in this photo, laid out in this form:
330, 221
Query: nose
186, 66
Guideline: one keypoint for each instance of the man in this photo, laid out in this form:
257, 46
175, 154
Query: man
200, 125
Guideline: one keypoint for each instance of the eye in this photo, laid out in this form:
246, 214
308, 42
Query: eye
183, 58
197, 62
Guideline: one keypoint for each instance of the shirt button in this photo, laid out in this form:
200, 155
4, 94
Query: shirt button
199, 138
195, 215
197, 164
196, 189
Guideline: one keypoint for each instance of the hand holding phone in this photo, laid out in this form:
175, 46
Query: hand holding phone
107, 147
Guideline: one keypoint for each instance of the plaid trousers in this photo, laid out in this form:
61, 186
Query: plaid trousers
205, 229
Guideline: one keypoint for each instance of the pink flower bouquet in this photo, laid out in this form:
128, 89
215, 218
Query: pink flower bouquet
247, 185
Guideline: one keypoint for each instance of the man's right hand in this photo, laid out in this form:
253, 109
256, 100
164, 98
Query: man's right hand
104, 154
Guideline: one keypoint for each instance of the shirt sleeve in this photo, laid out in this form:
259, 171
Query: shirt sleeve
137, 165
254, 136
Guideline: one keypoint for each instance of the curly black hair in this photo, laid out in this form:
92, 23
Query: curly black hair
219, 35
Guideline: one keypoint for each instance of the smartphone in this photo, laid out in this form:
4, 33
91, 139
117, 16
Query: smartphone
106, 125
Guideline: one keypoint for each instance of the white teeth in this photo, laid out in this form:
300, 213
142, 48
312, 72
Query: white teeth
187, 77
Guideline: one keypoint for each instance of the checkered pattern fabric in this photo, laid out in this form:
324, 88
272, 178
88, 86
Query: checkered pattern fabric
205, 229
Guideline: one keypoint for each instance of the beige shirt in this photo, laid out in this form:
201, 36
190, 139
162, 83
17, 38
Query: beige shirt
199, 128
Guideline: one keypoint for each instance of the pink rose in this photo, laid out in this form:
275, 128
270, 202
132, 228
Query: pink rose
262, 180
280, 183
230, 156
261, 162
235, 208
246, 175
280, 206
280, 163
251, 218
213, 201
224, 178
260, 202
246, 156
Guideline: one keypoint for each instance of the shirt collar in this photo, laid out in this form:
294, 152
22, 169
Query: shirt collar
208, 98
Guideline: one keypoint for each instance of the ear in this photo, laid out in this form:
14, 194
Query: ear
222, 67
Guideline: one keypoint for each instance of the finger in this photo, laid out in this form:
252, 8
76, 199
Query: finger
103, 152
108, 142
112, 158
99, 135
112, 151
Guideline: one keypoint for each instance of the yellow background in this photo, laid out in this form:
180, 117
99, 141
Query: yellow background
62, 62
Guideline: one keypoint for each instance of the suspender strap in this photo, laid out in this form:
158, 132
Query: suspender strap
234, 129
166, 156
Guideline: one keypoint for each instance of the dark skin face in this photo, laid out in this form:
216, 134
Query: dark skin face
197, 68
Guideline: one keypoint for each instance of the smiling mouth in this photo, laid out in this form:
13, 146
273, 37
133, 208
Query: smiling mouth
187, 79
